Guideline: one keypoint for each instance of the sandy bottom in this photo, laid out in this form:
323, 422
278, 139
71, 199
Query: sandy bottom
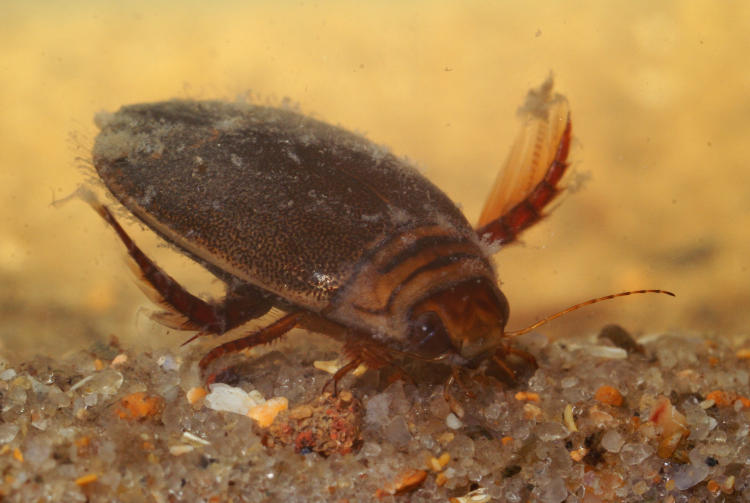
606, 419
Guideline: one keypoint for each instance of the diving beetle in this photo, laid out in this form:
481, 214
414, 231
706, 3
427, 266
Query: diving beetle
337, 232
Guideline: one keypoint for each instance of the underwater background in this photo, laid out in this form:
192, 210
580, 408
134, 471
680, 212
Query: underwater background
660, 184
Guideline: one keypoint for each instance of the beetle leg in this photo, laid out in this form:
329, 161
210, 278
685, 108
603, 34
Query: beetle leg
263, 336
506, 227
362, 349
453, 404
528, 180
500, 356
185, 311
525, 355
340, 373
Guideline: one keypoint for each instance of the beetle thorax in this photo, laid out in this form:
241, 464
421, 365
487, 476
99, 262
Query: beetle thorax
414, 272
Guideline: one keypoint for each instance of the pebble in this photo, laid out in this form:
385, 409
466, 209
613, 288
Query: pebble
8, 432
265, 413
453, 422
7, 374
612, 441
687, 476
230, 399
180, 449
633, 454
554, 491
397, 431
378, 409
548, 432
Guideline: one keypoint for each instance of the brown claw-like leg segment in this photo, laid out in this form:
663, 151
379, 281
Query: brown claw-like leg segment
503, 352
340, 373
505, 368
525, 355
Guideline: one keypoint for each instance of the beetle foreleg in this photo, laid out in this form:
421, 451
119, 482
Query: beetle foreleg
503, 352
364, 350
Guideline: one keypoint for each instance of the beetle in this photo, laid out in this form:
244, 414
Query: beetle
337, 232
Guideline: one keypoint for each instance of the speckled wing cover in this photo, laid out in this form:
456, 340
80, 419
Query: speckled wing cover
274, 198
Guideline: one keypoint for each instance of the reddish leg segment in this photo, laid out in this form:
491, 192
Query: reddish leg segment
263, 336
186, 311
507, 227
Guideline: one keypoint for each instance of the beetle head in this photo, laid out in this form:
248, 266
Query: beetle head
464, 322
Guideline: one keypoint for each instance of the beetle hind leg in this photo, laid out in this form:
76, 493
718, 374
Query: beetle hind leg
506, 227
529, 179
185, 311
264, 335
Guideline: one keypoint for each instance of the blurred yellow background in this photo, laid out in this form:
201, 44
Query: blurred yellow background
660, 94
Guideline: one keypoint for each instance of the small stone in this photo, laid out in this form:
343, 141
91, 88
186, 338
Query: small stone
371, 449
568, 382
180, 449
608, 352
405, 482
548, 432
531, 411
620, 338
476, 496
673, 425
168, 362
192, 437
612, 441
119, 360
194, 395
7, 375
554, 492
301, 412
105, 382
265, 413
687, 476
462, 447
608, 395
493, 411
633, 454
87, 479
453, 422
230, 399
377, 409
640, 488
38, 450
139, 406
397, 431
8, 432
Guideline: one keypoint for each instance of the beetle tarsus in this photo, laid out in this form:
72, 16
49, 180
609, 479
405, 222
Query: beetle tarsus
453, 404
263, 336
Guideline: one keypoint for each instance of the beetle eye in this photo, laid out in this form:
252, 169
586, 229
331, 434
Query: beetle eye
429, 337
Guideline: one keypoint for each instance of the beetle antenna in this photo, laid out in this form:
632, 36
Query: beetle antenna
541, 322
